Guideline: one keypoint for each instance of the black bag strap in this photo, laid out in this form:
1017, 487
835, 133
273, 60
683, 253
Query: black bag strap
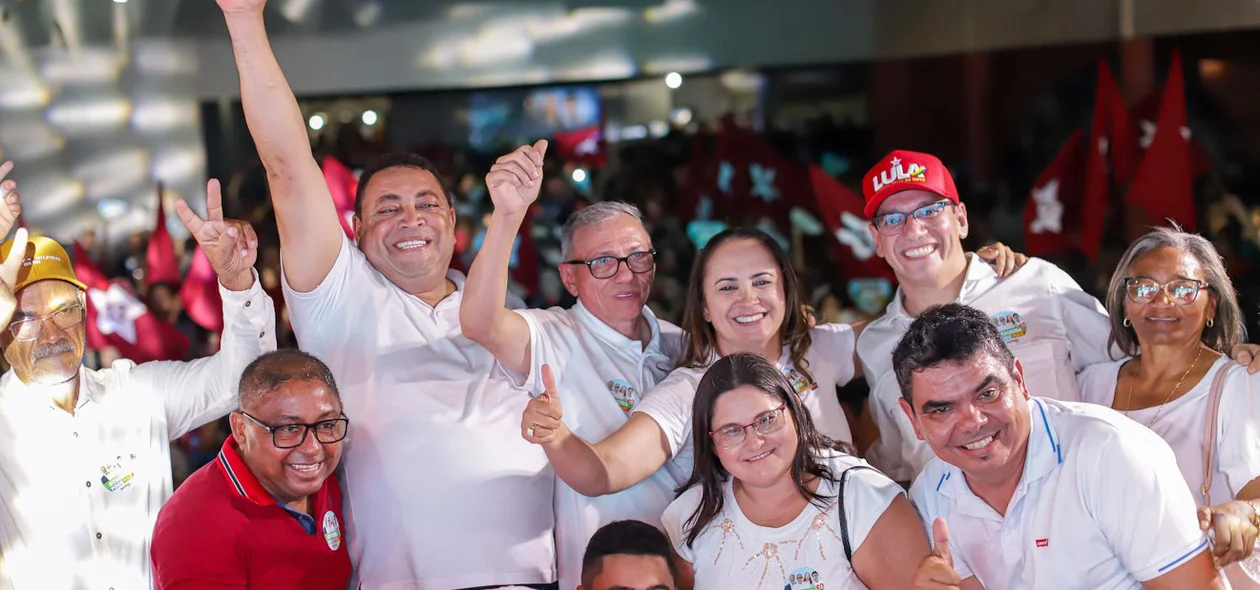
844, 518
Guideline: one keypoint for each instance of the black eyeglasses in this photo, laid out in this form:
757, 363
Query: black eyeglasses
606, 267
64, 318
1179, 291
891, 223
288, 436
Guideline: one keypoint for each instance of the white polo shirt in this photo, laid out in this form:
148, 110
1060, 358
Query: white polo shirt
441, 489
733, 553
830, 358
79, 494
1101, 505
1180, 424
1052, 326
601, 376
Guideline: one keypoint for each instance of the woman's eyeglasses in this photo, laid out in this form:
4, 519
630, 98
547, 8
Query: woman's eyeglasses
733, 435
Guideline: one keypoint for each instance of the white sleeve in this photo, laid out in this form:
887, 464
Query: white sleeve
1084, 319
834, 344
927, 501
669, 403
1238, 434
1152, 524
329, 306
867, 494
674, 519
202, 390
541, 350
1097, 383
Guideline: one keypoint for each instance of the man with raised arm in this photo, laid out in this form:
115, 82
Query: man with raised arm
608, 349
442, 491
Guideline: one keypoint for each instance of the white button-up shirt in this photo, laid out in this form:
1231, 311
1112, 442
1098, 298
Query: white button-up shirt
1101, 505
601, 375
79, 493
1052, 326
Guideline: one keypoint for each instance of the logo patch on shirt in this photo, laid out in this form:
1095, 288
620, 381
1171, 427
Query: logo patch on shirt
119, 474
1043, 542
1010, 326
332, 531
625, 394
800, 383
805, 578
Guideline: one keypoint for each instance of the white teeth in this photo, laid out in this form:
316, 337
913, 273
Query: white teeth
748, 319
409, 244
980, 444
759, 457
1161, 319
919, 252
311, 468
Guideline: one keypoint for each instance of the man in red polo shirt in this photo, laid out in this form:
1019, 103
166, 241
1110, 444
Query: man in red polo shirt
265, 515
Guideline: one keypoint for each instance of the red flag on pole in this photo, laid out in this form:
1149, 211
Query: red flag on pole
115, 317
200, 293
1052, 215
163, 266
342, 185
1111, 141
841, 210
1163, 187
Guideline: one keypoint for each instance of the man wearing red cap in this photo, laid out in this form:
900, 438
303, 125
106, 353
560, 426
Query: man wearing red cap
918, 224
85, 454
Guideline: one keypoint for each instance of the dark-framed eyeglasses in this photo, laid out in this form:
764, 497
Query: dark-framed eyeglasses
288, 436
892, 222
1179, 291
606, 267
733, 435
64, 318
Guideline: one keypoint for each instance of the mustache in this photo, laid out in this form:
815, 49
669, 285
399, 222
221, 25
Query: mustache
52, 348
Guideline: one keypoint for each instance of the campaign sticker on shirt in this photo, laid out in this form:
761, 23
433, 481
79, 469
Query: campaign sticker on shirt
1010, 326
332, 531
118, 474
624, 393
805, 578
800, 383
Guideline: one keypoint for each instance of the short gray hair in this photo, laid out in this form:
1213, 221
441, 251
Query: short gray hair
1227, 329
272, 370
590, 215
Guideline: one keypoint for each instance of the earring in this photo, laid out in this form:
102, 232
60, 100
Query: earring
1127, 323
1211, 322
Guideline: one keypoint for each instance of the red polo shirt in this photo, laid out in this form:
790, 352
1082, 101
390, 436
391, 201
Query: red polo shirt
222, 530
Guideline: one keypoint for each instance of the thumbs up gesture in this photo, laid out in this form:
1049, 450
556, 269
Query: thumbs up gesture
936, 571
541, 422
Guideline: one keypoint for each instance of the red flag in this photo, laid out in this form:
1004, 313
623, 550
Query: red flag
1121, 128
1163, 185
1145, 122
701, 183
1110, 136
342, 185
760, 182
841, 210
163, 266
200, 293
115, 317
585, 146
1052, 215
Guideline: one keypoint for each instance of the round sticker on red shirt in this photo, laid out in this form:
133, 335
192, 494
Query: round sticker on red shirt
332, 530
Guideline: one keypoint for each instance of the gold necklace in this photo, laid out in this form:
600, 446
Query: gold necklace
1128, 402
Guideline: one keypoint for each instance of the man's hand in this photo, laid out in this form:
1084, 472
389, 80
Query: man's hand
1247, 355
1002, 258
9, 270
515, 179
10, 202
936, 571
238, 6
541, 423
1232, 529
231, 245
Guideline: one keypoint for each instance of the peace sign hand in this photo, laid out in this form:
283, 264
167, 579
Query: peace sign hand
230, 244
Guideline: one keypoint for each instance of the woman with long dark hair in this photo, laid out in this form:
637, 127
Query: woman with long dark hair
773, 503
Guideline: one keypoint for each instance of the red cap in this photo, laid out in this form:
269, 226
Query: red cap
903, 170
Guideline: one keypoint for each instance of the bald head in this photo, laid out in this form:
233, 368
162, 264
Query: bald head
272, 370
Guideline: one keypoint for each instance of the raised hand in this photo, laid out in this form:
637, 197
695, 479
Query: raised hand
230, 6
936, 571
10, 202
515, 178
541, 422
230, 244
1002, 258
9, 270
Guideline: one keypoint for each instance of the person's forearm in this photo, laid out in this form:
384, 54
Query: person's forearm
580, 465
271, 109
485, 298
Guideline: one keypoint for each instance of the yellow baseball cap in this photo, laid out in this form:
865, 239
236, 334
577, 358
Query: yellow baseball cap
45, 259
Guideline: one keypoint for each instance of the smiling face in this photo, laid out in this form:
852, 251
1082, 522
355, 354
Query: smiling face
974, 415
763, 459
407, 228
924, 249
1164, 321
289, 474
743, 297
619, 299
55, 355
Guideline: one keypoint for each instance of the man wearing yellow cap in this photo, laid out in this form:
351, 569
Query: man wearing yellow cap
85, 454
